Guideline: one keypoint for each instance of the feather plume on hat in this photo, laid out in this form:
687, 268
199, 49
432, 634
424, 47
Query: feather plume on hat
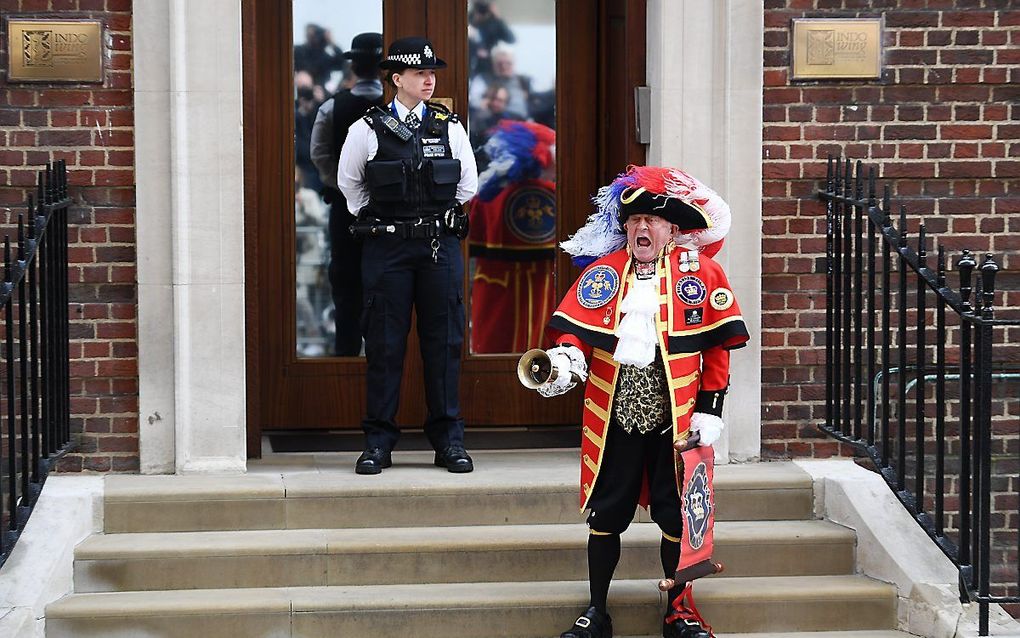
517, 151
603, 232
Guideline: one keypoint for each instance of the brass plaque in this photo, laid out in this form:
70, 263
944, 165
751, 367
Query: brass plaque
837, 48
54, 50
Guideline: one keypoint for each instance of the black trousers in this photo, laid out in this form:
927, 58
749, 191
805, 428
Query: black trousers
398, 274
345, 278
629, 458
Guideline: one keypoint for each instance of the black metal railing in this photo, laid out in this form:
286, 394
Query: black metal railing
34, 354
936, 452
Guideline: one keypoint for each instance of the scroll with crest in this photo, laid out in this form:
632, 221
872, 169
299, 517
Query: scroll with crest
698, 501
697, 468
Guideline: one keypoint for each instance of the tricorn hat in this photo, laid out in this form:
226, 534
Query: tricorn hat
411, 53
366, 46
703, 217
638, 200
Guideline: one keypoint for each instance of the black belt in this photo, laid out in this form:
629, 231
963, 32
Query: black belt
419, 228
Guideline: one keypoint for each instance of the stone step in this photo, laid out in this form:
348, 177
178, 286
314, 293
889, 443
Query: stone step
507, 488
877, 633
823, 634
516, 610
282, 558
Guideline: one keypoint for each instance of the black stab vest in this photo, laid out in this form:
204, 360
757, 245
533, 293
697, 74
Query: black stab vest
416, 178
347, 108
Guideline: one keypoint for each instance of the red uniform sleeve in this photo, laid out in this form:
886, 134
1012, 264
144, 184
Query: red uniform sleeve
566, 339
715, 369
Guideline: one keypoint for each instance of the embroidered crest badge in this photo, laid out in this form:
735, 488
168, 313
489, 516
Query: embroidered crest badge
721, 299
597, 287
530, 214
698, 505
691, 290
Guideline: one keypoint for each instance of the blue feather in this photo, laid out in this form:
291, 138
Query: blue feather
510, 151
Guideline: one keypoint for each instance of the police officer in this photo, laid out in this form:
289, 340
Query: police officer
405, 169
329, 133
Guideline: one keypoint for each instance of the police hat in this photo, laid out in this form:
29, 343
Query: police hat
411, 53
366, 46
640, 201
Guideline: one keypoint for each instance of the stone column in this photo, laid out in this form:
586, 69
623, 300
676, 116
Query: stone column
705, 72
190, 236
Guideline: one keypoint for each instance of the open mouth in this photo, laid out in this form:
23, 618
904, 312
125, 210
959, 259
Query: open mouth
643, 242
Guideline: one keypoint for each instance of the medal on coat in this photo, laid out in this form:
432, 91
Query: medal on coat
689, 261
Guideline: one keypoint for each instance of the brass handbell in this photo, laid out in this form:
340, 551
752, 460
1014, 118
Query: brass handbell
535, 369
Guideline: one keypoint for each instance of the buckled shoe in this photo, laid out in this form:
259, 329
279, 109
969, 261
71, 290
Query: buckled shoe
591, 624
684, 628
373, 461
455, 459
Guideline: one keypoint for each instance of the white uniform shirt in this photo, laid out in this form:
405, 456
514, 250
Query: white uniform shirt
362, 145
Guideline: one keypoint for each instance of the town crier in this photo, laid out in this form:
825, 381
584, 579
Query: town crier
649, 326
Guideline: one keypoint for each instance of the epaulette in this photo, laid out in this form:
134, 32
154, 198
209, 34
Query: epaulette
368, 116
443, 113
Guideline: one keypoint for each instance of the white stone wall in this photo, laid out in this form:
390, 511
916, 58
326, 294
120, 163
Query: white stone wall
705, 73
190, 236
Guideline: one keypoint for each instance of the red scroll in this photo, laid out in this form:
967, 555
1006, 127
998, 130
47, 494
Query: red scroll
698, 502
697, 466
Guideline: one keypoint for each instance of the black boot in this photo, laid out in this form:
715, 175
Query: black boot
373, 461
591, 624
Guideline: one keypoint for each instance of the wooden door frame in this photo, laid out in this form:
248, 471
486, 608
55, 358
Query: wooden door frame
619, 50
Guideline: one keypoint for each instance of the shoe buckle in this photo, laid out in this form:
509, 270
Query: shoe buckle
583, 622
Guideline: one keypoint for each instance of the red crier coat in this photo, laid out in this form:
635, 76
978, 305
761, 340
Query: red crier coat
698, 324
512, 240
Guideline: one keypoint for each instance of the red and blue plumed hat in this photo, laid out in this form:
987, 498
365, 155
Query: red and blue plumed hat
701, 214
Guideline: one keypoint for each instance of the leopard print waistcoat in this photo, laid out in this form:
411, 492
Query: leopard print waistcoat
642, 397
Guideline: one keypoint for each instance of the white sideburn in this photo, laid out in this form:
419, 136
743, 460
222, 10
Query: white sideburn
637, 327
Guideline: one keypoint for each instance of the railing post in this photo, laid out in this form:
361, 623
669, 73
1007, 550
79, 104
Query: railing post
33, 340
848, 208
869, 388
65, 359
940, 396
12, 481
858, 315
23, 362
901, 408
919, 420
829, 291
886, 325
965, 266
988, 270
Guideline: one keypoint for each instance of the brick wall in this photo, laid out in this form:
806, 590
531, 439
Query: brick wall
944, 121
942, 126
91, 127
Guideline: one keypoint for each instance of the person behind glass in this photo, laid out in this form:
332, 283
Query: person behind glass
405, 170
329, 133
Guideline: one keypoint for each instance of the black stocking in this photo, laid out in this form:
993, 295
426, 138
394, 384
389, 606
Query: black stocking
669, 554
603, 555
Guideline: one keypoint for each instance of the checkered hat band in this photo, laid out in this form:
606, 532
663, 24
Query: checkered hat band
406, 58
